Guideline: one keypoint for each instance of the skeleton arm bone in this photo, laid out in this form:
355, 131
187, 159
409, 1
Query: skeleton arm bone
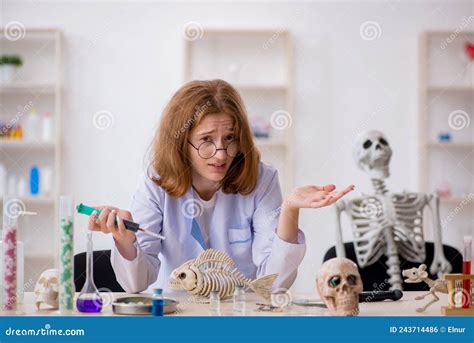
440, 265
340, 207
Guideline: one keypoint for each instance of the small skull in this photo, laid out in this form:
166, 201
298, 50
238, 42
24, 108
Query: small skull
47, 289
372, 154
415, 275
339, 285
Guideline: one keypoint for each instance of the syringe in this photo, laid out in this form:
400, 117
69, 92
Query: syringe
129, 225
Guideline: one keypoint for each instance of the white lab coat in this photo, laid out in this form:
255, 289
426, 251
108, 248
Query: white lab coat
244, 226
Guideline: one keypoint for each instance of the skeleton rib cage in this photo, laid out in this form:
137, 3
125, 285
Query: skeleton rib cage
399, 213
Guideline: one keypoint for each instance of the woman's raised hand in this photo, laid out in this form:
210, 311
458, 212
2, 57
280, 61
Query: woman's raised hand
110, 220
313, 196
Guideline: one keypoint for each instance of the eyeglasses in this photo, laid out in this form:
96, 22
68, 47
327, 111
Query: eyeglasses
206, 150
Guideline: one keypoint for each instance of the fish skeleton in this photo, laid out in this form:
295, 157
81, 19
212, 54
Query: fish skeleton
214, 270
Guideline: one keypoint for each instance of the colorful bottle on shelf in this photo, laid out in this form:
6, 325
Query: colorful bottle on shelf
21, 187
47, 129
66, 250
34, 181
32, 126
46, 181
444, 137
3, 180
19, 133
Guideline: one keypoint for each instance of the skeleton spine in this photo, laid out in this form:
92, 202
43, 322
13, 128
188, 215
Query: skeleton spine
379, 186
393, 262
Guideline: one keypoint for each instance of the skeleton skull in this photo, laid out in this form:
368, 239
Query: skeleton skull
339, 285
47, 288
415, 275
372, 154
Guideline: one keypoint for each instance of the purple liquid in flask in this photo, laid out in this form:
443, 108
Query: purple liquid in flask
89, 300
89, 305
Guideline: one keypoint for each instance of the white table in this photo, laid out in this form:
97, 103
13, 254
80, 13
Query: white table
403, 307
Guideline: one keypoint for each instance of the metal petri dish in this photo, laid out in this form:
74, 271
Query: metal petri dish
309, 302
140, 305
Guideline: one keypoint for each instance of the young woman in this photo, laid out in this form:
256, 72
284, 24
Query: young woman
206, 188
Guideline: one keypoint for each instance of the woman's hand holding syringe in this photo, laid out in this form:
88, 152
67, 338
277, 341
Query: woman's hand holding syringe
110, 220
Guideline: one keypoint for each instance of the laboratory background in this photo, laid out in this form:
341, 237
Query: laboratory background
83, 85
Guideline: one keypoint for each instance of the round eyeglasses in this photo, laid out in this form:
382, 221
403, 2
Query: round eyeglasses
206, 150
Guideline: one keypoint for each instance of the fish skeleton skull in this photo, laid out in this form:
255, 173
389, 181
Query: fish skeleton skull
184, 277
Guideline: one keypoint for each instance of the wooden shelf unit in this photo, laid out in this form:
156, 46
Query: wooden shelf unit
38, 47
446, 86
259, 64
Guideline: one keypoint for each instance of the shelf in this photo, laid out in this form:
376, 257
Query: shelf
451, 145
40, 81
246, 32
29, 33
39, 200
446, 33
451, 89
22, 144
28, 87
456, 201
269, 142
261, 87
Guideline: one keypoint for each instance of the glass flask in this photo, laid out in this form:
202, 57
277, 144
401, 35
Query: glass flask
89, 300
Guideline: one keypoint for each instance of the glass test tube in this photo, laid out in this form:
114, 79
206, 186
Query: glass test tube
9, 242
66, 255
466, 269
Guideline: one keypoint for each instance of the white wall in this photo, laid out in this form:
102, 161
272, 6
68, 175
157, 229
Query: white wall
127, 58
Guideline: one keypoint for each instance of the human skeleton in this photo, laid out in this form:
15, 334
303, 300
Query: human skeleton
388, 223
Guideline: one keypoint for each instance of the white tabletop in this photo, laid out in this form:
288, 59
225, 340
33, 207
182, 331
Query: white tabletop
403, 307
